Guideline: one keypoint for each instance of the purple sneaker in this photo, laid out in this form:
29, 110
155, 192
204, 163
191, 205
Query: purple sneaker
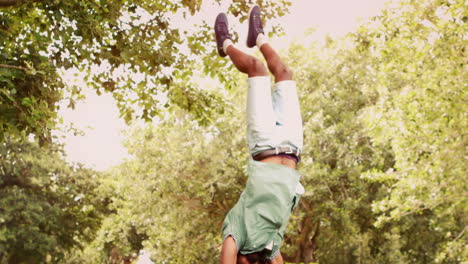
255, 26
221, 32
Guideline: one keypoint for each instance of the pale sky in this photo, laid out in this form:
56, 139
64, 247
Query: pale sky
98, 117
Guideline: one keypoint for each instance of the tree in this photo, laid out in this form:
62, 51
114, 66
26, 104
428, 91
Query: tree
178, 200
421, 81
384, 188
334, 223
382, 166
381, 147
134, 50
46, 206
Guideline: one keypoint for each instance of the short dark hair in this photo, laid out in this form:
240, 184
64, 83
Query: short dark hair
258, 257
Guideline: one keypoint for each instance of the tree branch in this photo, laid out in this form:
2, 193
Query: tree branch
7, 3
12, 66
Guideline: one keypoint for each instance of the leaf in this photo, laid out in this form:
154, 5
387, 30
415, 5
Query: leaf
27, 101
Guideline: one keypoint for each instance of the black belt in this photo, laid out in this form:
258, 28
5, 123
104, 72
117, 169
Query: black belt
276, 151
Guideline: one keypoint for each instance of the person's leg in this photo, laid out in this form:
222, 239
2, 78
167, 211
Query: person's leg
284, 98
260, 114
276, 66
245, 63
256, 37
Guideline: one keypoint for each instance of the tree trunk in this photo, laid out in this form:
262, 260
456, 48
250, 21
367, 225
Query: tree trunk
307, 244
308, 249
308, 230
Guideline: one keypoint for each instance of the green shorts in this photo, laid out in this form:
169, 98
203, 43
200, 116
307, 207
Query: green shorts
259, 218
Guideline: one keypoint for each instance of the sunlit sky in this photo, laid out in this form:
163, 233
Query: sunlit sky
101, 146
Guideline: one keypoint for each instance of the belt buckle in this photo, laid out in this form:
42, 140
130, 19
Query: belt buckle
291, 150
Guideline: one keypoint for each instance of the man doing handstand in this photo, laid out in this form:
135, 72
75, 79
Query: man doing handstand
253, 229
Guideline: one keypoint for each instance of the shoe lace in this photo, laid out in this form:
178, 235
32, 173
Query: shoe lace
257, 22
221, 26
222, 29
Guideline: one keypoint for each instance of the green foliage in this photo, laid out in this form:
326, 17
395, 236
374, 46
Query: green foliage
384, 115
335, 221
421, 116
135, 50
46, 206
179, 188
383, 165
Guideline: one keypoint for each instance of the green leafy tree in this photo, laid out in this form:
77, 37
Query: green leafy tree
382, 166
179, 200
134, 50
47, 207
421, 115
384, 114
335, 220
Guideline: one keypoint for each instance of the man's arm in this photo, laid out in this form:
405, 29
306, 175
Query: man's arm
278, 259
229, 251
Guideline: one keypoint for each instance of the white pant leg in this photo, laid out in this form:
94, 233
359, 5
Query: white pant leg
288, 114
261, 119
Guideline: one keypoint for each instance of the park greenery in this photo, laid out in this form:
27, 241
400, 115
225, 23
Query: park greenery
384, 111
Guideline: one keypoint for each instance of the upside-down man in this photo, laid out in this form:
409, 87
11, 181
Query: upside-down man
253, 229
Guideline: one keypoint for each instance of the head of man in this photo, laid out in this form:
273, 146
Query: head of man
253, 258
